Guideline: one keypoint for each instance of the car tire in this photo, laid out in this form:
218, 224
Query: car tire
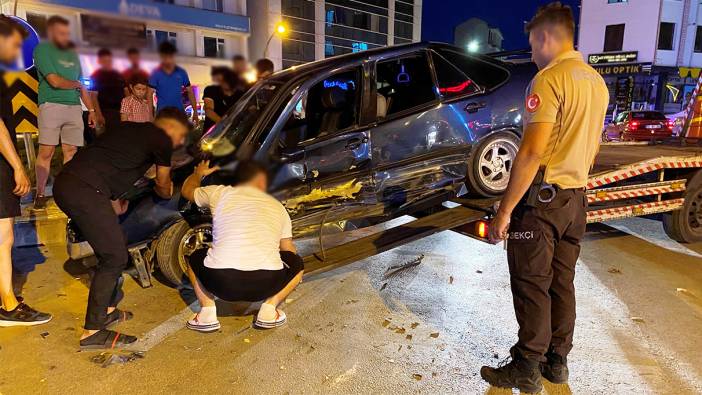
490, 164
685, 225
175, 244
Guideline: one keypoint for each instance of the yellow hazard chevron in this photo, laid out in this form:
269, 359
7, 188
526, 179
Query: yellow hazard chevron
26, 127
21, 100
12, 76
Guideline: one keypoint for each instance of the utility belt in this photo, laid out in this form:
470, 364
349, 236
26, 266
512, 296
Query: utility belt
541, 192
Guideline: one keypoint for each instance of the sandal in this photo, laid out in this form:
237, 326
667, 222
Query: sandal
205, 327
106, 339
275, 321
118, 316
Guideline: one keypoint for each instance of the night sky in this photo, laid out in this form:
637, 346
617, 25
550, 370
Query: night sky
441, 17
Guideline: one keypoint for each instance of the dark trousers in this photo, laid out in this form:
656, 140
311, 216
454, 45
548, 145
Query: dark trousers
543, 247
92, 213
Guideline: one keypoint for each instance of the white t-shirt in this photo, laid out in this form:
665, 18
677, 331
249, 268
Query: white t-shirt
247, 227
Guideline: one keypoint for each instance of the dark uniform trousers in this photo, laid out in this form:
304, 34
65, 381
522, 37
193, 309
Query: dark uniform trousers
543, 247
95, 218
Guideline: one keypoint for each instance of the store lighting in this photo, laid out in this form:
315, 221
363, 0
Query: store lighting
473, 46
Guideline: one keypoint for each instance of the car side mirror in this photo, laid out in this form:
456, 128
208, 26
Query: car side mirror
292, 154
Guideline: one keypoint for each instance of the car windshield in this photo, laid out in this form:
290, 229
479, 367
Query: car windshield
648, 116
224, 137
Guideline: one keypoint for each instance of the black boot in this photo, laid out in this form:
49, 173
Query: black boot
520, 373
555, 369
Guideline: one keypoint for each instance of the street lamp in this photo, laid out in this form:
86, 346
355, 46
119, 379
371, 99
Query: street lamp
280, 29
473, 46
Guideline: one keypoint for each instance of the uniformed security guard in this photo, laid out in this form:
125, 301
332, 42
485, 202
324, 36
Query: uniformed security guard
542, 215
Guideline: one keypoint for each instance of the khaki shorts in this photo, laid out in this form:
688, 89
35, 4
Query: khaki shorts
60, 123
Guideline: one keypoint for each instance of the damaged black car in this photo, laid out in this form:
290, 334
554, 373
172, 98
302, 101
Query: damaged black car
350, 141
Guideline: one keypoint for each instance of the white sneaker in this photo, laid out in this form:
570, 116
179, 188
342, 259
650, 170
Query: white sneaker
269, 317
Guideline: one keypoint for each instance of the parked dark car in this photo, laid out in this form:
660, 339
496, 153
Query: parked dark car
350, 141
639, 126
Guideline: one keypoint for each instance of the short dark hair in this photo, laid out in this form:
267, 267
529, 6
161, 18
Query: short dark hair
238, 58
9, 25
138, 78
218, 70
246, 170
167, 48
56, 20
104, 52
263, 65
132, 51
174, 114
553, 14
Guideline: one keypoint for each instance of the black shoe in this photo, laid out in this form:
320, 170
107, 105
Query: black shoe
519, 373
555, 369
23, 315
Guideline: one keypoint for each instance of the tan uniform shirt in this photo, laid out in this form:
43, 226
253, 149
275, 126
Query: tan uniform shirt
573, 96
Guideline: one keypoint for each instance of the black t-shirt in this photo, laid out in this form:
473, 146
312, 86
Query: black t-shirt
119, 157
222, 102
109, 84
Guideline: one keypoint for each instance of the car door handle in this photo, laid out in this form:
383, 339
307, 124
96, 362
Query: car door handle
475, 106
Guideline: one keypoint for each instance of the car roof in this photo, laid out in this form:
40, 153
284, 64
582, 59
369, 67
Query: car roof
395, 50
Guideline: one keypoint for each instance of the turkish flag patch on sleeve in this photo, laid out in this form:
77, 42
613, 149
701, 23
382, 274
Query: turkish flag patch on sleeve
533, 101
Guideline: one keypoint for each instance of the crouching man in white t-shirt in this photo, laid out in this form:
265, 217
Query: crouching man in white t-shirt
252, 257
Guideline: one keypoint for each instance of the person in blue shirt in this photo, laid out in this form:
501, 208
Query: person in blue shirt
169, 80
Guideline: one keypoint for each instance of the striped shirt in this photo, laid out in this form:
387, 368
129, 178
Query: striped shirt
137, 110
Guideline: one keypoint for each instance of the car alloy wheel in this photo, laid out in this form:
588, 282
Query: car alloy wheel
496, 161
194, 239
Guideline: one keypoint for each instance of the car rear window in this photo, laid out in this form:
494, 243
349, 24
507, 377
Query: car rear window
484, 73
648, 116
452, 81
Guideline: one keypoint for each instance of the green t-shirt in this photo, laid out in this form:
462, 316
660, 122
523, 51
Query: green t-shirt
64, 62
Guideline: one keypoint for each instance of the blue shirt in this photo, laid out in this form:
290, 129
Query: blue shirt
169, 87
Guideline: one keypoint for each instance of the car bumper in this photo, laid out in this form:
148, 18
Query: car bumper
647, 135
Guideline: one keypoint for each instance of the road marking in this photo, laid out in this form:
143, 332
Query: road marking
167, 328
666, 243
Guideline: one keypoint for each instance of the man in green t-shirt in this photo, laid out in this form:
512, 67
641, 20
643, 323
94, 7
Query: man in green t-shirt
60, 93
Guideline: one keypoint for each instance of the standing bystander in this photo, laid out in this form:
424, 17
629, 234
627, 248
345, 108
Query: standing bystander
169, 80
107, 90
220, 96
137, 107
60, 92
14, 183
264, 68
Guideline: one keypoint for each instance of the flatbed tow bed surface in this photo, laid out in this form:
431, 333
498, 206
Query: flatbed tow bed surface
627, 180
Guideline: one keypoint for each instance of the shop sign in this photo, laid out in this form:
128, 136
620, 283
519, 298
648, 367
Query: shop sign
613, 57
620, 69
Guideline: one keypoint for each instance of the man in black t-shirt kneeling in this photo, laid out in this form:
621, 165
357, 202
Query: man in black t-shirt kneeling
88, 191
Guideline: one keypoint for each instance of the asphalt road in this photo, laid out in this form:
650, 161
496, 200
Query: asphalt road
427, 329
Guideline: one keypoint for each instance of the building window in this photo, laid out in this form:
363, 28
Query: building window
213, 5
698, 39
614, 38
38, 22
155, 37
665, 36
214, 47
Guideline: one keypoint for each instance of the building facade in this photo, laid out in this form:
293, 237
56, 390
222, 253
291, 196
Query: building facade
317, 29
206, 32
477, 36
649, 51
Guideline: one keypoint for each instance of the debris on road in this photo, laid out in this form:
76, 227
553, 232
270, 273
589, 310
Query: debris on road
479, 271
386, 323
434, 335
417, 376
450, 279
107, 358
414, 325
383, 287
44, 335
637, 319
614, 270
395, 269
685, 291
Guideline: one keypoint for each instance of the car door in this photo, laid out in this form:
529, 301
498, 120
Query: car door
325, 144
